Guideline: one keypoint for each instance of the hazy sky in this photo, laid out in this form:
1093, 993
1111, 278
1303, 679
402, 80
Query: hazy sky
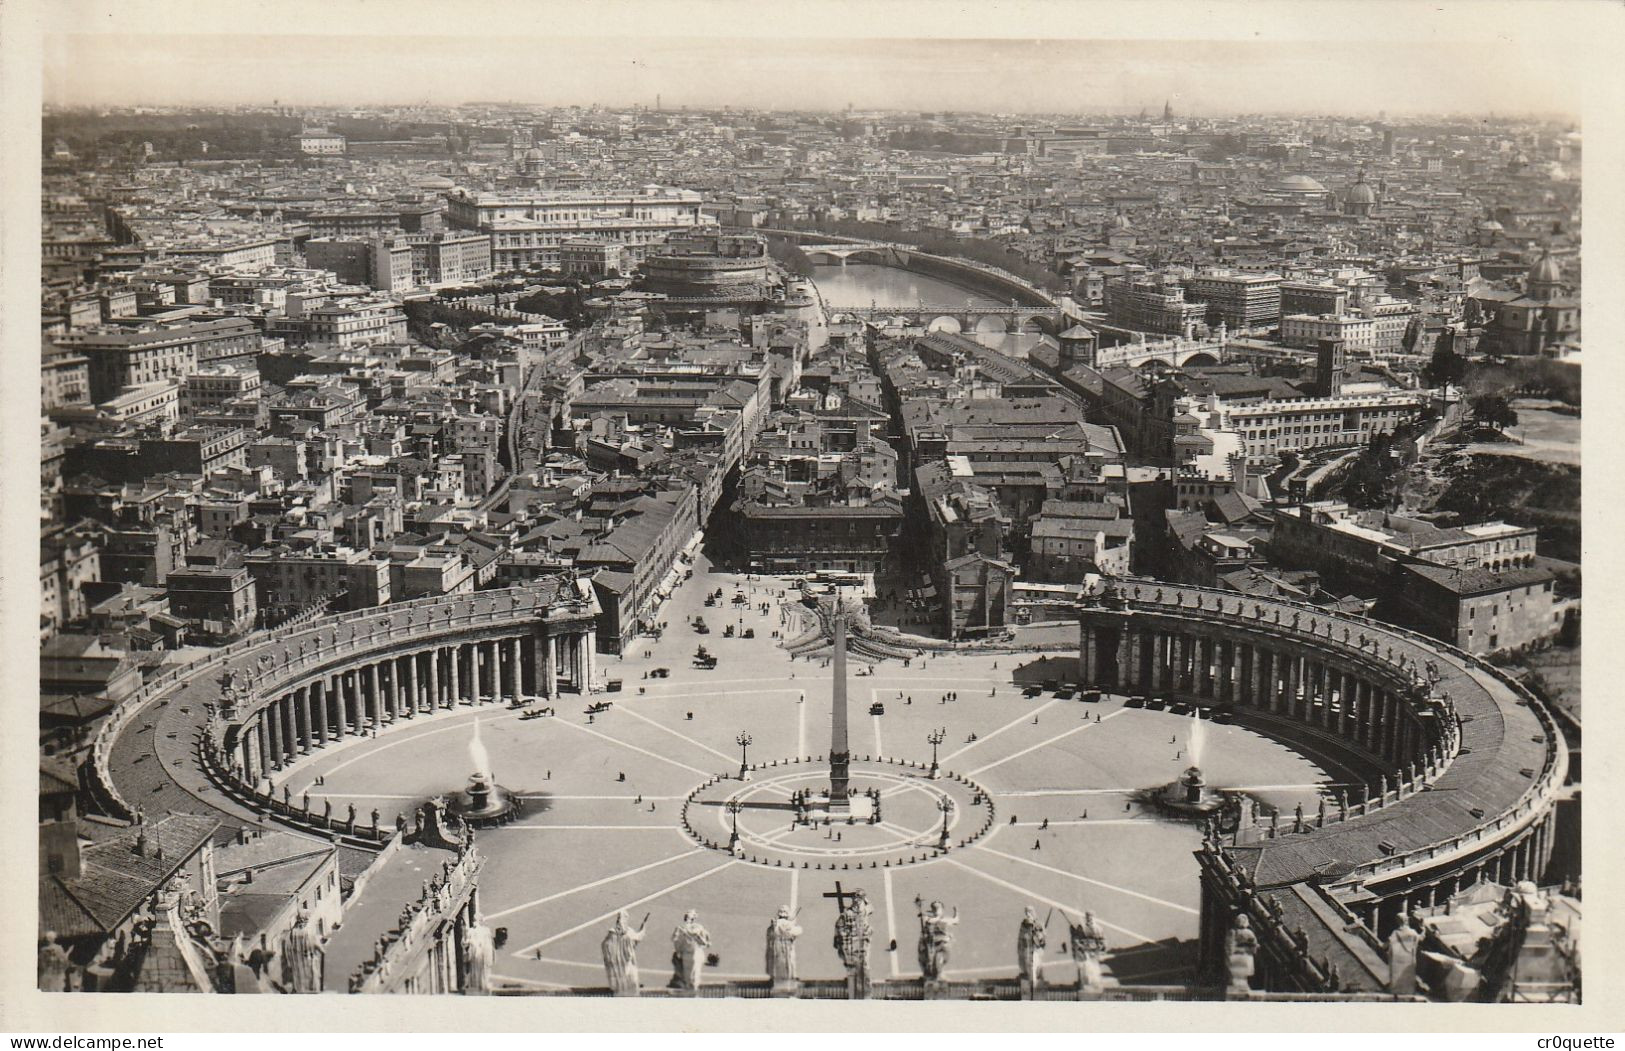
1211, 57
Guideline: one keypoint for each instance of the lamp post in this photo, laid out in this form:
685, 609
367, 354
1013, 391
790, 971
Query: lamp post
734, 807
743, 741
945, 805
936, 737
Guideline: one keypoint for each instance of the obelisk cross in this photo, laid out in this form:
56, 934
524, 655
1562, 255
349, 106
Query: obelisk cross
839, 751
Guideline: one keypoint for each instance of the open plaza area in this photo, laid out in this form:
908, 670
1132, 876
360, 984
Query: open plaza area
1050, 796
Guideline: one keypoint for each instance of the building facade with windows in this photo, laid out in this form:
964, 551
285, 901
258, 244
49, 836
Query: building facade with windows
529, 228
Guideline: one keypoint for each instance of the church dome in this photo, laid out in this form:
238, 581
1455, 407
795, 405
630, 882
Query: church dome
1545, 272
435, 182
1491, 226
1297, 183
1362, 193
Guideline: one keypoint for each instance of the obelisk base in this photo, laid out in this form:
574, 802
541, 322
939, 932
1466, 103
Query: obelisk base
839, 782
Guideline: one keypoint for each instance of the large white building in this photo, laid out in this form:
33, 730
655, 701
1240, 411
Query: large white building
1305, 331
529, 228
1260, 431
321, 142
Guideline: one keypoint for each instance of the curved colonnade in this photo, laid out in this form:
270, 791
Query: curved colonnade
228, 723
1466, 763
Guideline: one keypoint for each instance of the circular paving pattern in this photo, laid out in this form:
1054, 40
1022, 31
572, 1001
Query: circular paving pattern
895, 816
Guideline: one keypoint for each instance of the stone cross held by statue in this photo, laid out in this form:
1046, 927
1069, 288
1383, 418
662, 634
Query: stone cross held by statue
840, 896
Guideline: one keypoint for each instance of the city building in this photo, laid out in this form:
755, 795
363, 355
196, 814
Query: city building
321, 142
529, 228
121, 359
1240, 300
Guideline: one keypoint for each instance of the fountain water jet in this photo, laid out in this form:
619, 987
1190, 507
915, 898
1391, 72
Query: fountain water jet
1190, 795
484, 802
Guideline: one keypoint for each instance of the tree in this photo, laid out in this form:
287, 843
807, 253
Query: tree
1446, 368
1494, 410
1413, 333
1472, 314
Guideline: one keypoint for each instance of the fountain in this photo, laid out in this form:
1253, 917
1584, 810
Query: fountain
1190, 796
484, 802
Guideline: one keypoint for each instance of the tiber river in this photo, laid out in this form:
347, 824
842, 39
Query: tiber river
866, 284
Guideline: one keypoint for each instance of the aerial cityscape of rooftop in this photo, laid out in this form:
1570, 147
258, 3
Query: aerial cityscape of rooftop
483, 543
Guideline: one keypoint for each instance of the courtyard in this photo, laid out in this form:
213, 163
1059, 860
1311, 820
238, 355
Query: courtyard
627, 807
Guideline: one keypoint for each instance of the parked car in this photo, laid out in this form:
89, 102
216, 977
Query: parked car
877, 709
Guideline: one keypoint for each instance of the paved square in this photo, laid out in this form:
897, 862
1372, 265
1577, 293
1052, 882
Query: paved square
604, 801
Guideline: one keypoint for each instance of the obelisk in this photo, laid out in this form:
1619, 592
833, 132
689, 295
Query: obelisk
839, 753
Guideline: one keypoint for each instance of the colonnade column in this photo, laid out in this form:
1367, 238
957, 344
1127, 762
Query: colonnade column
270, 734
410, 681
341, 691
1340, 717
246, 745
544, 687
290, 740
299, 702
341, 704
370, 677
454, 675
392, 697
318, 708
516, 669
263, 746
493, 659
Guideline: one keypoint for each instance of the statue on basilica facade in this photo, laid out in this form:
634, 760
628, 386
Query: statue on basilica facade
1240, 945
854, 930
479, 955
302, 959
690, 941
620, 949
936, 939
1088, 948
782, 933
1030, 947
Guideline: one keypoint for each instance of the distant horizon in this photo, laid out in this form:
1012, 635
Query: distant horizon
1149, 111
1219, 79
